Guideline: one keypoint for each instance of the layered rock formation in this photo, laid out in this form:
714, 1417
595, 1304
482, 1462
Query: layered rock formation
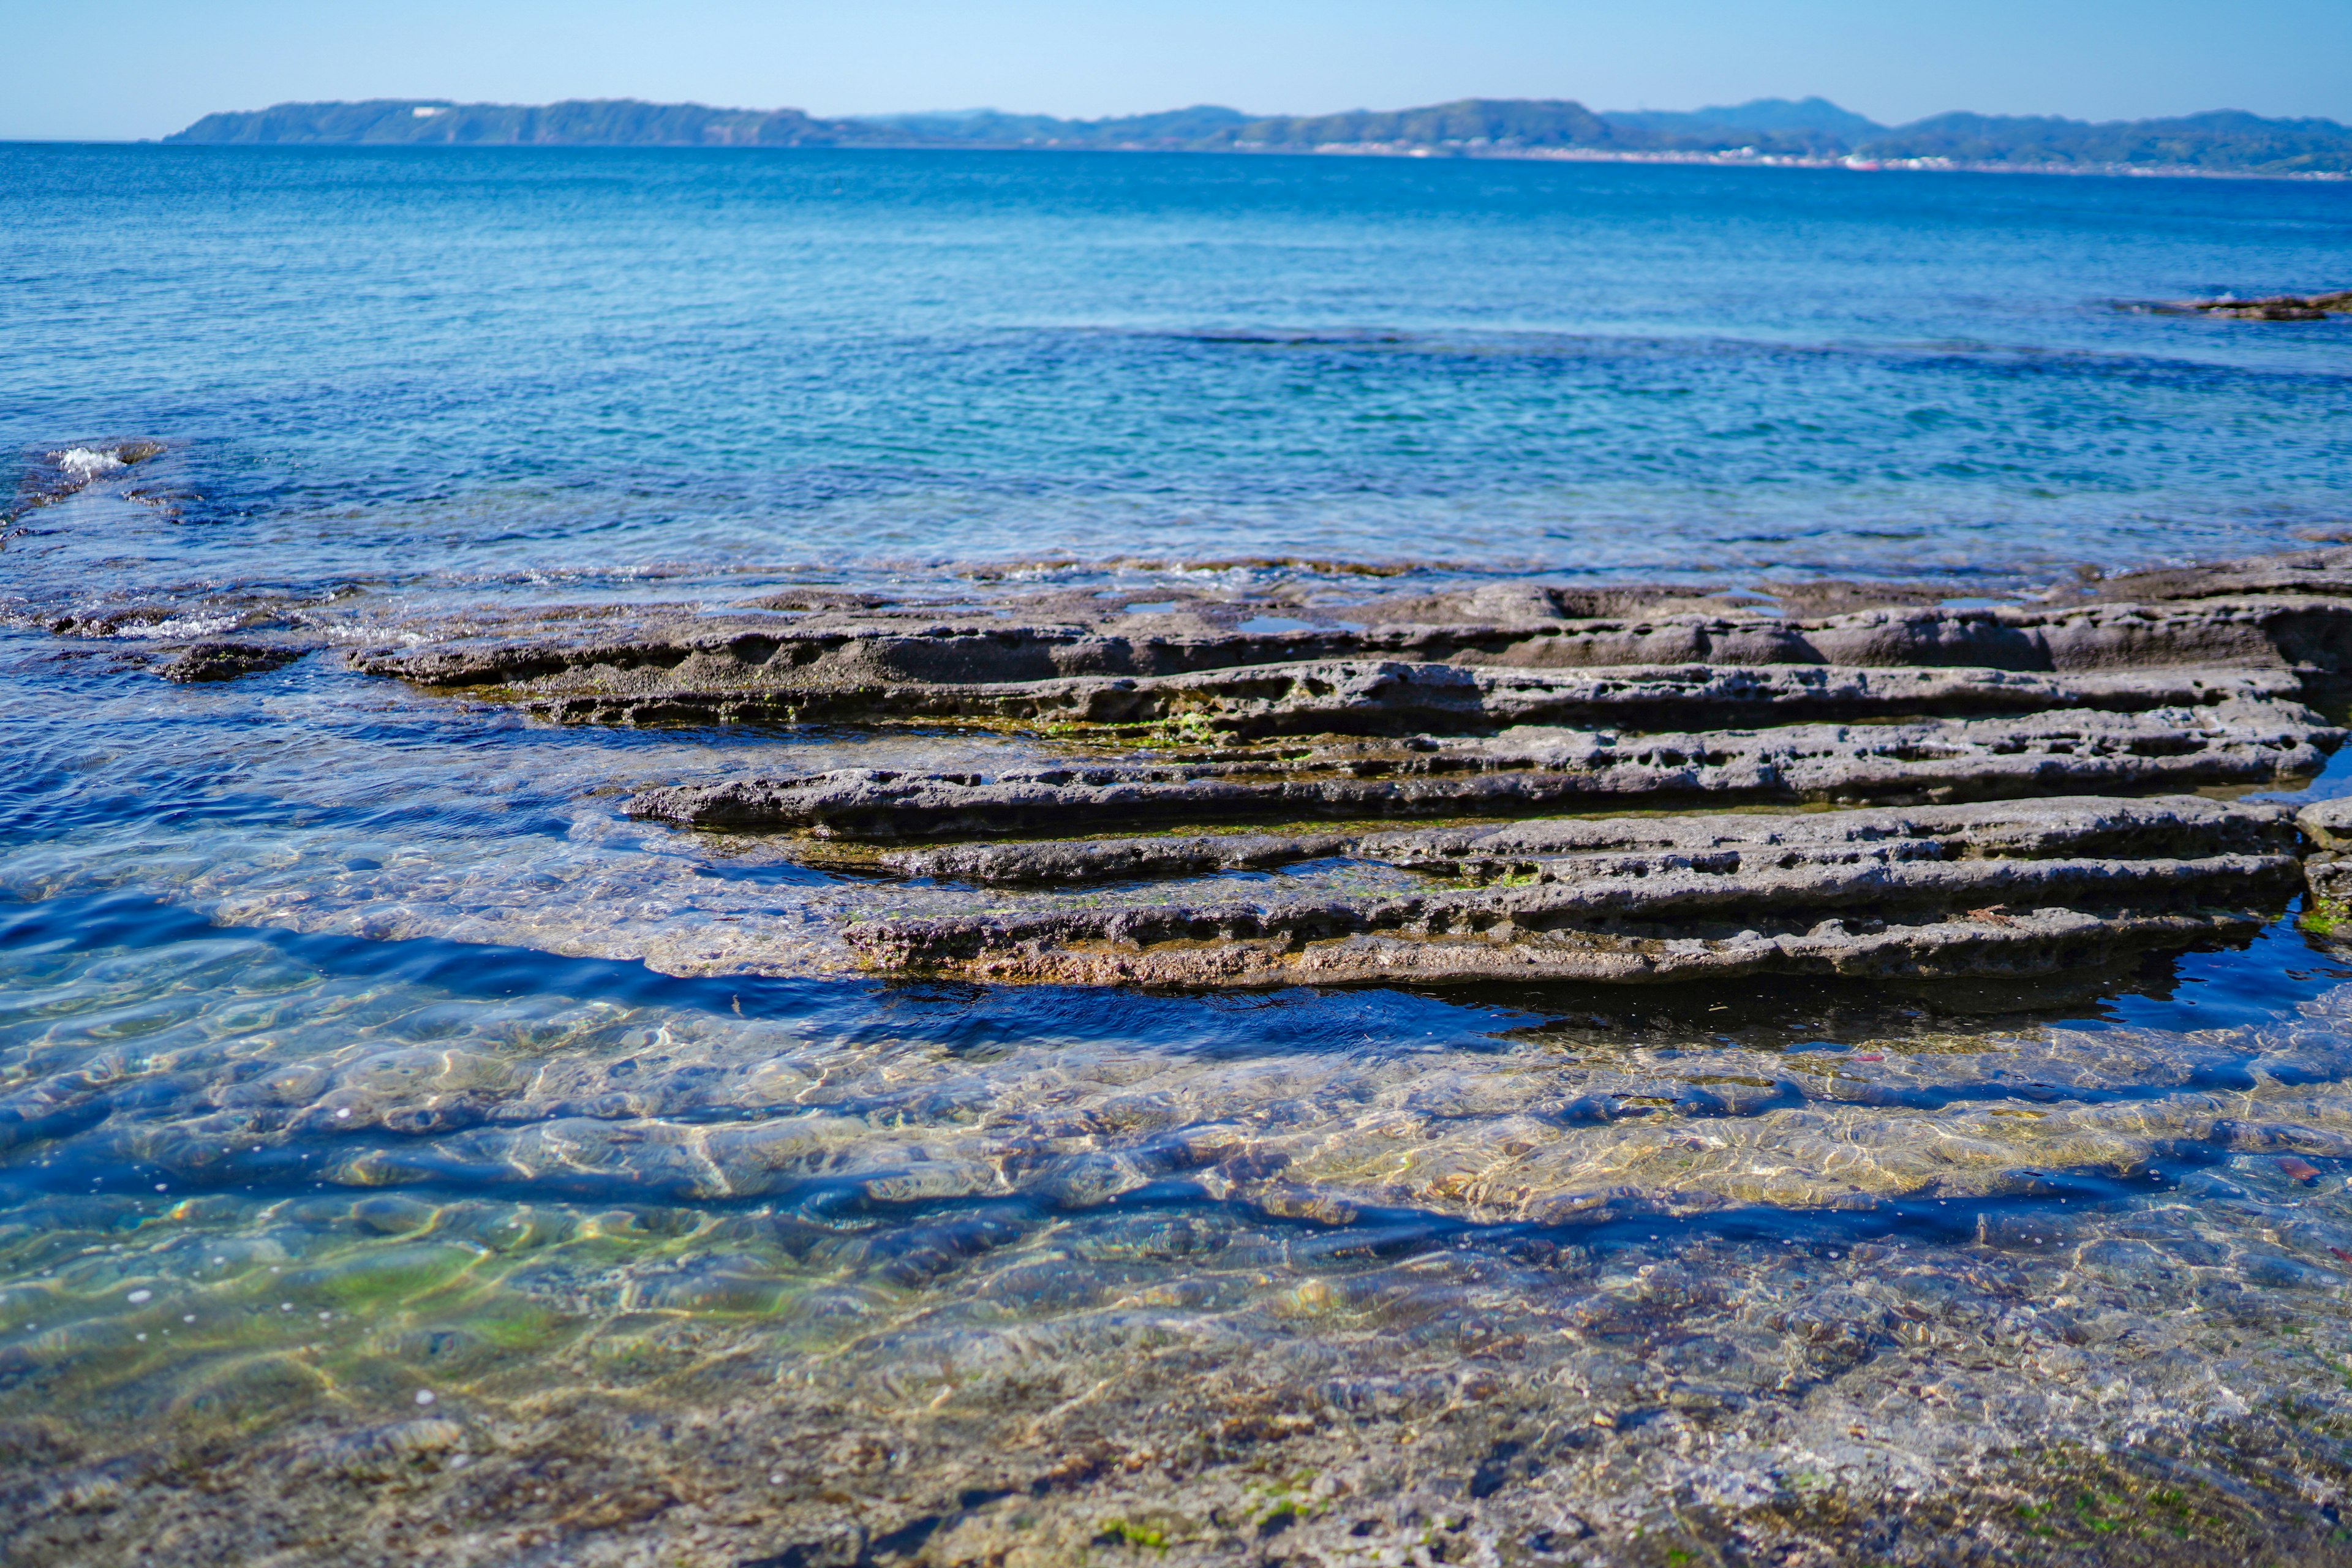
2017, 889
2039, 753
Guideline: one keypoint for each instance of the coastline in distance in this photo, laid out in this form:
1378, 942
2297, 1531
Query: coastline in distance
1810, 130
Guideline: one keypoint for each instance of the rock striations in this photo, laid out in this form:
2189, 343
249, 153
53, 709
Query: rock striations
2020, 889
1520, 782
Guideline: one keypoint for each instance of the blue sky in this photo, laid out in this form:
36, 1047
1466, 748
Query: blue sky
119, 68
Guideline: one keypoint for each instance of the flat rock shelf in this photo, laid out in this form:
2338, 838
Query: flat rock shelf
1519, 781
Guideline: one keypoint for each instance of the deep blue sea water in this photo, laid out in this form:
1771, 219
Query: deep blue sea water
353, 1048
552, 360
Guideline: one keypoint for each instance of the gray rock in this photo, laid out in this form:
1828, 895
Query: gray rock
841, 669
1533, 769
228, 660
2303, 574
1398, 697
1099, 859
2329, 823
2273, 308
1486, 852
1523, 700
1936, 893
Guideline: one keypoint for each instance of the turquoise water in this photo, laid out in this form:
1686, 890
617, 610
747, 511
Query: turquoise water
559, 361
353, 1048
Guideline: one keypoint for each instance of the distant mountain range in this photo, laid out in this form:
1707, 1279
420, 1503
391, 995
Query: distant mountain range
1768, 129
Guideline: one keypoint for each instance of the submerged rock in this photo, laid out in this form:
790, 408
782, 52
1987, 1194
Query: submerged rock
2329, 870
59, 474
2275, 308
228, 660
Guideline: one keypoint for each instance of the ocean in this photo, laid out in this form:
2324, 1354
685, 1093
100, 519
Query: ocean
407, 1156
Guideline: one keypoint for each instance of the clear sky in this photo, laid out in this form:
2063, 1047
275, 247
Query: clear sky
121, 68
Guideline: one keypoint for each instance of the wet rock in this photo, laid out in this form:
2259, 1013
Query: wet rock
841, 669
1490, 852
1931, 893
1198, 717
841, 1546
390, 1213
245, 1392
1421, 944
821, 599
1258, 700
227, 661
2296, 573
1534, 769
386, 1453
2274, 308
2328, 822
1099, 859
57, 475
2327, 912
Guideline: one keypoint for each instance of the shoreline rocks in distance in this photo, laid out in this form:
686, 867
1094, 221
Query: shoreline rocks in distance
2275, 308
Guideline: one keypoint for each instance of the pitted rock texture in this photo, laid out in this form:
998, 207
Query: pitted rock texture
2328, 869
1193, 718
1532, 769
1929, 893
2324, 573
1484, 852
1047, 862
228, 660
834, 669
1392, 697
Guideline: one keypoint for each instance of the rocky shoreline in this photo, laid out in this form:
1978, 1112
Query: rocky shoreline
1746, 1088
2275, 308
1948, 789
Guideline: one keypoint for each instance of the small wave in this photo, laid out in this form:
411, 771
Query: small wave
59, 474
85, 463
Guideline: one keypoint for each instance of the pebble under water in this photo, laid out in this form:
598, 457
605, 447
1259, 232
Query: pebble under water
406, 1157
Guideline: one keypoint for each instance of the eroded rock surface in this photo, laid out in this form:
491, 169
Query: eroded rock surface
837, 667
1935, 892
1532, 769
228, 660
1190, 718
1392, 697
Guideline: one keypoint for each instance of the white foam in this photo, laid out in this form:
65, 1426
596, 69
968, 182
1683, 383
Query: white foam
177, 626
83, 464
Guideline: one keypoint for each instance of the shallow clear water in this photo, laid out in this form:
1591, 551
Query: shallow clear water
353, 1050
